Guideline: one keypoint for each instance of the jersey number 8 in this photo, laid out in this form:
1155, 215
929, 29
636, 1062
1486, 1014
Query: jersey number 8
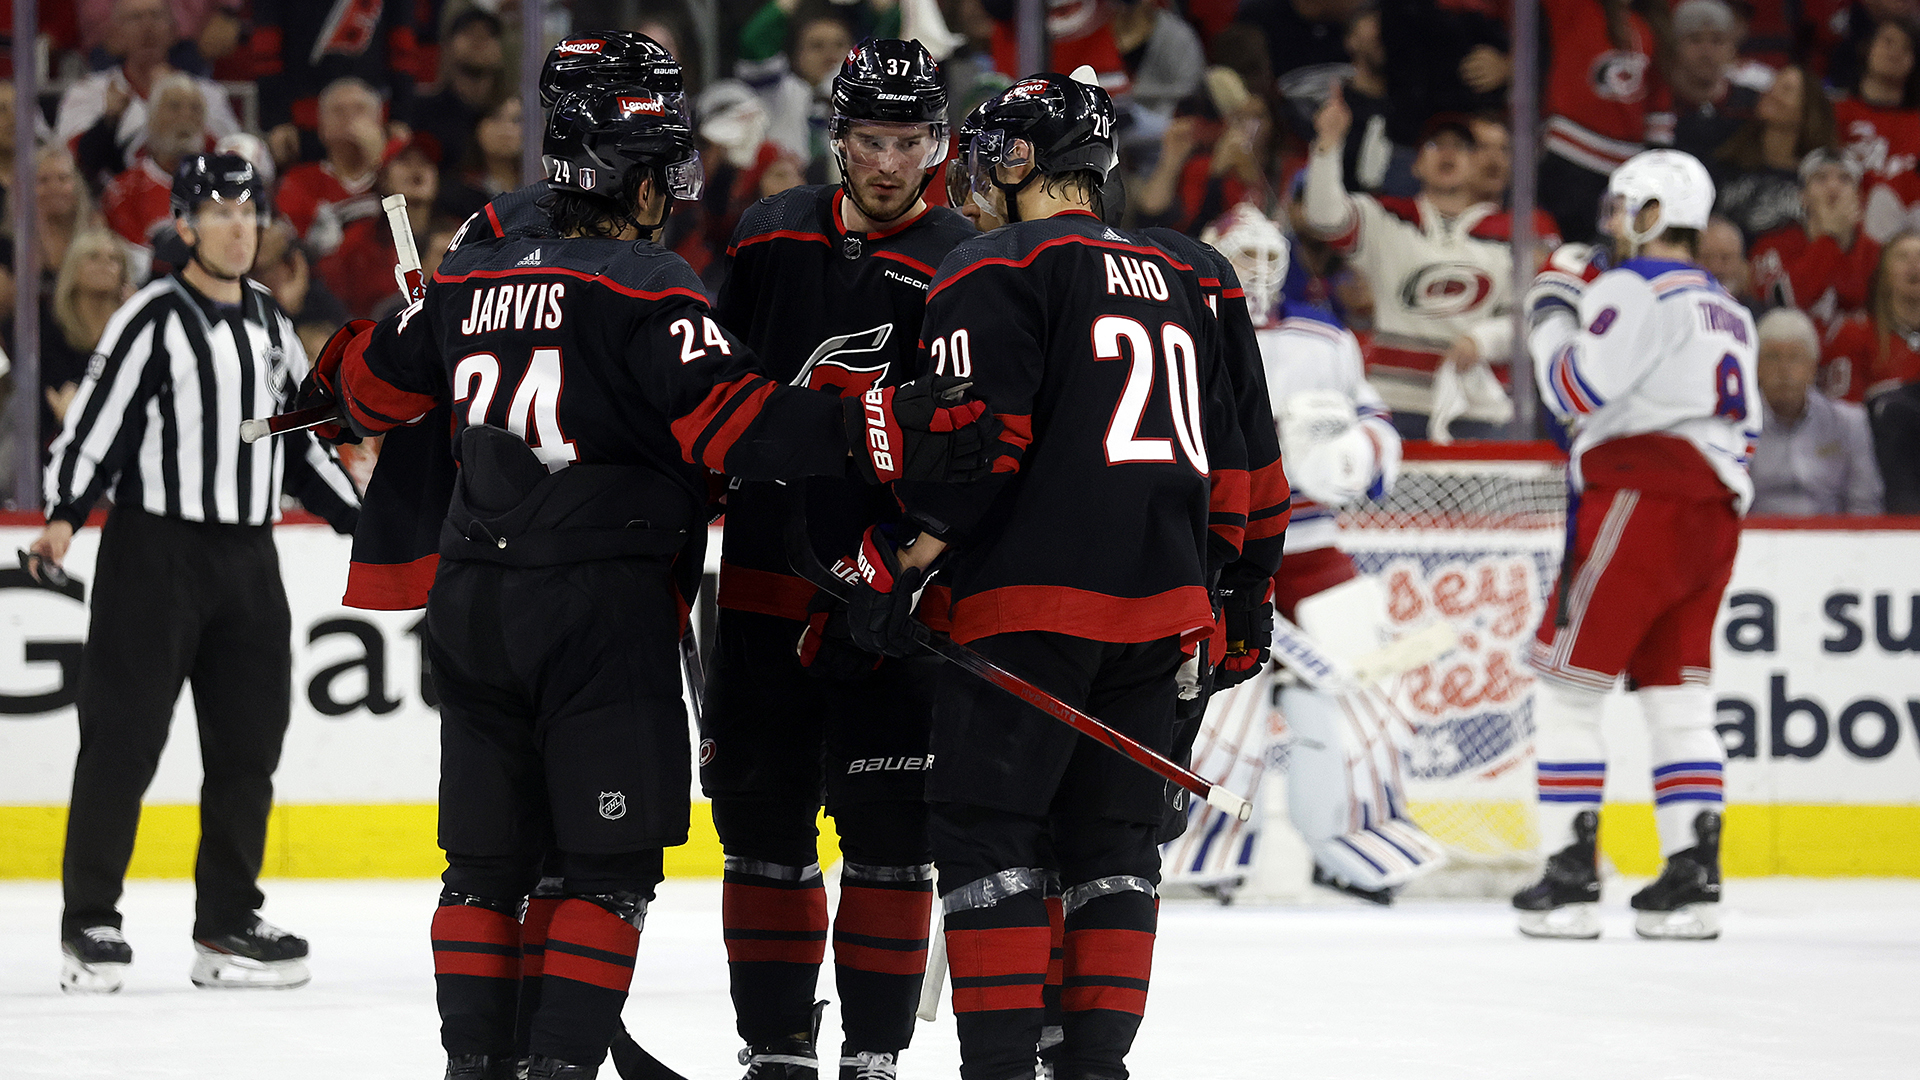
1729, 389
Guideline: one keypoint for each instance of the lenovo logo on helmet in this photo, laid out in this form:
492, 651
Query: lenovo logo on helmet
651, 106
1030, 88
584, 47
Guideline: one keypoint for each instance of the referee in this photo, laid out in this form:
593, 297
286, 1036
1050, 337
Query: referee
188, 583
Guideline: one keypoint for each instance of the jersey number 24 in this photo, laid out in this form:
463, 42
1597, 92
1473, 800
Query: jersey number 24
533, 414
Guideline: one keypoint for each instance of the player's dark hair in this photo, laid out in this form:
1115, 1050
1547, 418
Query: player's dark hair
579, 214
1686, 238
1080, 183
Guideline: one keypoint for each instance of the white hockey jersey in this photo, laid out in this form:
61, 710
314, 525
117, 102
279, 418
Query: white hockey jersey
1435, 279
1660, 348
1308, 350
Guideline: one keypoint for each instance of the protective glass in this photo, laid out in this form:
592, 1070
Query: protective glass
685, 178
677, 106
909, 146
994, 148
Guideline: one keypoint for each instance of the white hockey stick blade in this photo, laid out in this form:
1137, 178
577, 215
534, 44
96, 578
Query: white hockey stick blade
1228, 803
935, 979
1403, 654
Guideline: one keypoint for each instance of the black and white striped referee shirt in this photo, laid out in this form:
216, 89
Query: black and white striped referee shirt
156, 420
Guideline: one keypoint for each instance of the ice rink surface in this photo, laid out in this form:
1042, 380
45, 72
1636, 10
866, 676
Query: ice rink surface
1812, 979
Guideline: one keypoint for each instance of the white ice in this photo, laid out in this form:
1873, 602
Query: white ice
1812, 979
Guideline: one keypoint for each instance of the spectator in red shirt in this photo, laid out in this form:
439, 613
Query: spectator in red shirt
322, 198
1879, 350
360, 270
1603, 101
1879, 124
1822, 263
137, 204
1190, 186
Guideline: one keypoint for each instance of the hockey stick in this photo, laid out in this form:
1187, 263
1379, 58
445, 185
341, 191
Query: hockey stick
632, 1061
935, 978
1323, 671
801, 554
413, 289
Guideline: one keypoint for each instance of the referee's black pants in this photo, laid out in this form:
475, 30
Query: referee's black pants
178, 601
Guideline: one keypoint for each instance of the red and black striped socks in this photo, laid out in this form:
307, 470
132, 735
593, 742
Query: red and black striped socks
775, 924
586, 971
476, 975
880, 952
998, 956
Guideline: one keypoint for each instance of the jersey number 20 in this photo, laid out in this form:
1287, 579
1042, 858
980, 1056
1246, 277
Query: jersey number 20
1124, 442
534, 413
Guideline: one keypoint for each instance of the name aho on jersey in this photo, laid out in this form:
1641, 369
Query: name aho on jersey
1137, 278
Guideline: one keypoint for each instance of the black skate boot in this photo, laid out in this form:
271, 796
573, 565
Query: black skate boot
481, 1067
786, 1059
540, 1067
869, 1064
1326, 880
93, 960
261, 956
1561, 904
1683, 903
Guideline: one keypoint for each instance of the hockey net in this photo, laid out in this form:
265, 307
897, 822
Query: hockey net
1472, 534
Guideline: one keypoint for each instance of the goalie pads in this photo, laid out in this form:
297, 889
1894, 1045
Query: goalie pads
1330, 457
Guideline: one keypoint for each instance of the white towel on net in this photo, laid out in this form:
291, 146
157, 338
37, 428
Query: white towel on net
1471, 395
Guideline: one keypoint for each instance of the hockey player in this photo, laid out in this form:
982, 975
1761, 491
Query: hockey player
1113, 432
592, 392
827, 285
1652, 365
1345, 787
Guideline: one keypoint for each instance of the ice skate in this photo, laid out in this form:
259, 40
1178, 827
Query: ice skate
1327, 880
481, 1067
1561, 904
1683, 903
260, 957
93, 960
868, 1065
540, 1067
786, 1059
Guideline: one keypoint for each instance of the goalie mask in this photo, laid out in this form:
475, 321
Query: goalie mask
1056, 123
597, 137
1259, 253
1674, 181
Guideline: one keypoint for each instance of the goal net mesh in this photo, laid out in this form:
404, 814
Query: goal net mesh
1477, 543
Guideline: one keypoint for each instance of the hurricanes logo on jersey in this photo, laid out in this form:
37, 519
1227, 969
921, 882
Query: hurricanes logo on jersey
1442, 289
1617, 75
833, 365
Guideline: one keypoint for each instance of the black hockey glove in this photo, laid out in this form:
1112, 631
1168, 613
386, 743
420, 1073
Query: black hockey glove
927, 429
322, 384
1248, 613
826, 647
880, 604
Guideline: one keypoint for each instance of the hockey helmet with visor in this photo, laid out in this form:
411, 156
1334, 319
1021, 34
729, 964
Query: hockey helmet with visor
1056, 123
596, 137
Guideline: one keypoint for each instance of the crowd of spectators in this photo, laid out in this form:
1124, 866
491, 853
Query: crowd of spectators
1376, 132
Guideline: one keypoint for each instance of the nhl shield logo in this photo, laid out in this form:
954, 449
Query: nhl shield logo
613, 805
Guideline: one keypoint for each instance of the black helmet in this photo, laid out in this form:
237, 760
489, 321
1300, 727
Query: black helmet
609, 56
889, 81
226, 178
598, 135
1068, 125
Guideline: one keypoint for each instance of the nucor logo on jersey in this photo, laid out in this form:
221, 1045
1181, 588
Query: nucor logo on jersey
652, 106
1619, 76
1442, 289
583, 47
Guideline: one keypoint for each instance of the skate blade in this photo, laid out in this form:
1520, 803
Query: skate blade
79, 977
214, 970
1579, 922
1690, 922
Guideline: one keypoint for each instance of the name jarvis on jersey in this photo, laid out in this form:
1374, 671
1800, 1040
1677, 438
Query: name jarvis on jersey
508, 307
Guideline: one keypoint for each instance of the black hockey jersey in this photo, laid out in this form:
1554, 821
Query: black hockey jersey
831, 310
596, 352
1268, 494
1098, 353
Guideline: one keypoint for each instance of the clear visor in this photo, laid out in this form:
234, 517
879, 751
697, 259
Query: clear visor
685, 178
991, 149
677, 106
907, 147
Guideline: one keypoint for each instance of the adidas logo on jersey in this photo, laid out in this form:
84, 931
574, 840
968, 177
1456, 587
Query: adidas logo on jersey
532, 259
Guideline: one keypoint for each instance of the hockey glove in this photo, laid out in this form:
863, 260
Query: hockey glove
880, 604
322, 384
1249, 622
826, 647
927, 429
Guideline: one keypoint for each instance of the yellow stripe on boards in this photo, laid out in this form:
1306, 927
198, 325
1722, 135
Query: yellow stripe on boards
392, 840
